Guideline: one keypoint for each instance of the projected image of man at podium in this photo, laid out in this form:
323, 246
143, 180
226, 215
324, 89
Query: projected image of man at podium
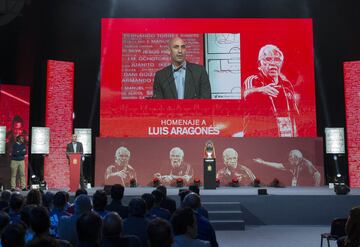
179, 169
234, 170
76, 147
181, 79
121, 172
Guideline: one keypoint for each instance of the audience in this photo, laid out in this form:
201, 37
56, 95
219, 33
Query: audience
94, 223
149, 202
25, 219
117, 194
167, 203
185, 229
205, 229
15, 205
88, 228
157, 210
160, 233
136, 224
67, 224
201, 210
57, 212
13, 236
100, 202
48, 200
352, 230
4, 221
34, 197
4, 199
70, 207
112, 233
182, 194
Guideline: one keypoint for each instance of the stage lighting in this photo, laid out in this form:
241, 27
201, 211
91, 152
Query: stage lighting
340, 188
43, 185
35, 182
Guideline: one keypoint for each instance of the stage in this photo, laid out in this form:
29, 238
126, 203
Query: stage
282, 206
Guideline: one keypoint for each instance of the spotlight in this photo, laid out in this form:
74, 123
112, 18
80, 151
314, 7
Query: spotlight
43, 185
338, 175
35, 182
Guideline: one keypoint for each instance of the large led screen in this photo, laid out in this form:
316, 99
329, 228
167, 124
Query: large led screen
292, 161
259, 78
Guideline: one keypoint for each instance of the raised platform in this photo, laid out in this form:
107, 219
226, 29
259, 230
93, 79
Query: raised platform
282, 206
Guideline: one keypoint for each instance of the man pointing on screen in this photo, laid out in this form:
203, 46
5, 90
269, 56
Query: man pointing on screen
181, 79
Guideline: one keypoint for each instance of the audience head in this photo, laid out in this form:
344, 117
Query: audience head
4, 220
184, 222
192, 201
82, 204
34, 197
25, 214
39, 220
158, 196
149, 200
80, 192
5, 196
112, 225
16, 202
48, 200
137, 207
60, 200
159, 233
183, 193
43, 241
162, 188
195, 189
13, 236
117, 192
99, 200
86, 234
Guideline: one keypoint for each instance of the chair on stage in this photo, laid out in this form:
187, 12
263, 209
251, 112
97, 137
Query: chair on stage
337, 230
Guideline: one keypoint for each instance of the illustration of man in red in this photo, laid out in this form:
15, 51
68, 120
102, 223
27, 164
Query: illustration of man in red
302, 170
121, 172
179, 169
234, 170
270, 98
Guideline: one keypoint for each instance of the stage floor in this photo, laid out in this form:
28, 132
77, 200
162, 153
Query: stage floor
245, 190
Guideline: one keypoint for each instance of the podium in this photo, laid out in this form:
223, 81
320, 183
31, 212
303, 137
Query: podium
209, 173
74, 164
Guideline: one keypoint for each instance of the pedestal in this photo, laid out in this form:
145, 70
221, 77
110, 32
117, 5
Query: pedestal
74, 163
209, 174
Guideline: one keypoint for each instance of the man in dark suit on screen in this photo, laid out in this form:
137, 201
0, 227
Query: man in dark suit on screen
76, 147
181, 79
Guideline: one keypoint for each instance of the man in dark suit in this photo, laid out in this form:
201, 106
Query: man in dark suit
76, 147
181, 79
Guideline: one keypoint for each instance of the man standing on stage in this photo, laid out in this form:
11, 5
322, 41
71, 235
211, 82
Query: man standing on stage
17, 164
121, 172
181, 79
179, 169
299, 167
76, 147
270, 97
234, 170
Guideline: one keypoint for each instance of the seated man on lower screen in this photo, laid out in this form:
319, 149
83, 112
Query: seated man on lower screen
121, 172
234, 170
179, 169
